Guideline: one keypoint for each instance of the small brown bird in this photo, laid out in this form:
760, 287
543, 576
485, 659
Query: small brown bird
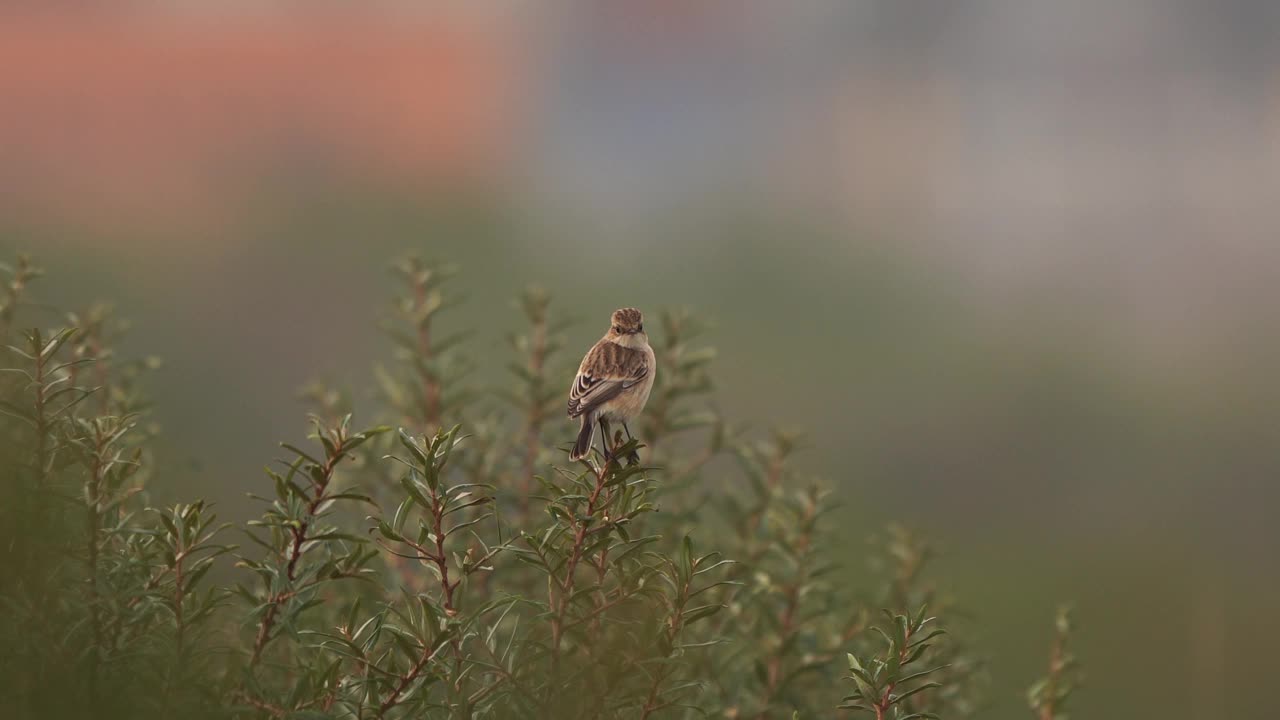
613, 382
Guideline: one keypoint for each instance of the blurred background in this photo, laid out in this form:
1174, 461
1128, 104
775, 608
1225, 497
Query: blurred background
1013, 265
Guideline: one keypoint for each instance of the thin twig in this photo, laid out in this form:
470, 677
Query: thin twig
299, 533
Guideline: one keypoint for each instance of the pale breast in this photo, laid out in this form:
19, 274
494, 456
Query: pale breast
630, 402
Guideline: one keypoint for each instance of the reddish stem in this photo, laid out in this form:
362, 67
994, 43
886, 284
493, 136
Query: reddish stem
787, 619
295, 550
575, 555
93, 521
1049, 710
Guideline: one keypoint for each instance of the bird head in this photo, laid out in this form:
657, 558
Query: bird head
626, 321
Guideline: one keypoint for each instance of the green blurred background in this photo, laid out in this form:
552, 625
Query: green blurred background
1012, 265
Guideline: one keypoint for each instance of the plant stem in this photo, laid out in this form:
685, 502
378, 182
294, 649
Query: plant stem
179, 555
42, 420
93, 521
651, 700
786, 622
178, 597
447, 588
394, 698
295, 551
885, 701
565, 588
674, 626
1049, 711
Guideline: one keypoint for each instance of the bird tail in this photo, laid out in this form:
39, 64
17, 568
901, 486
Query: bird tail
585, 435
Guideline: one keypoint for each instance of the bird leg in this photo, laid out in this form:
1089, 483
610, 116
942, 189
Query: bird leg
605, 440
633, 458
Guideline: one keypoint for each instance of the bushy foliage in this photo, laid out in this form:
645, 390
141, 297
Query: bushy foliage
445, 560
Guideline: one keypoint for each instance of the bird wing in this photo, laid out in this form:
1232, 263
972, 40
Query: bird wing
606, 371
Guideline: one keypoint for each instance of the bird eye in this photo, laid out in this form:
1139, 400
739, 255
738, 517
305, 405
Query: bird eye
641, 328
617, 329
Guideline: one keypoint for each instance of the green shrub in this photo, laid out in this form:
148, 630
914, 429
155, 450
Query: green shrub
444, 560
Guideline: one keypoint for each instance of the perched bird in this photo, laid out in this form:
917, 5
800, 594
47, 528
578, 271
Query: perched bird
613, 382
